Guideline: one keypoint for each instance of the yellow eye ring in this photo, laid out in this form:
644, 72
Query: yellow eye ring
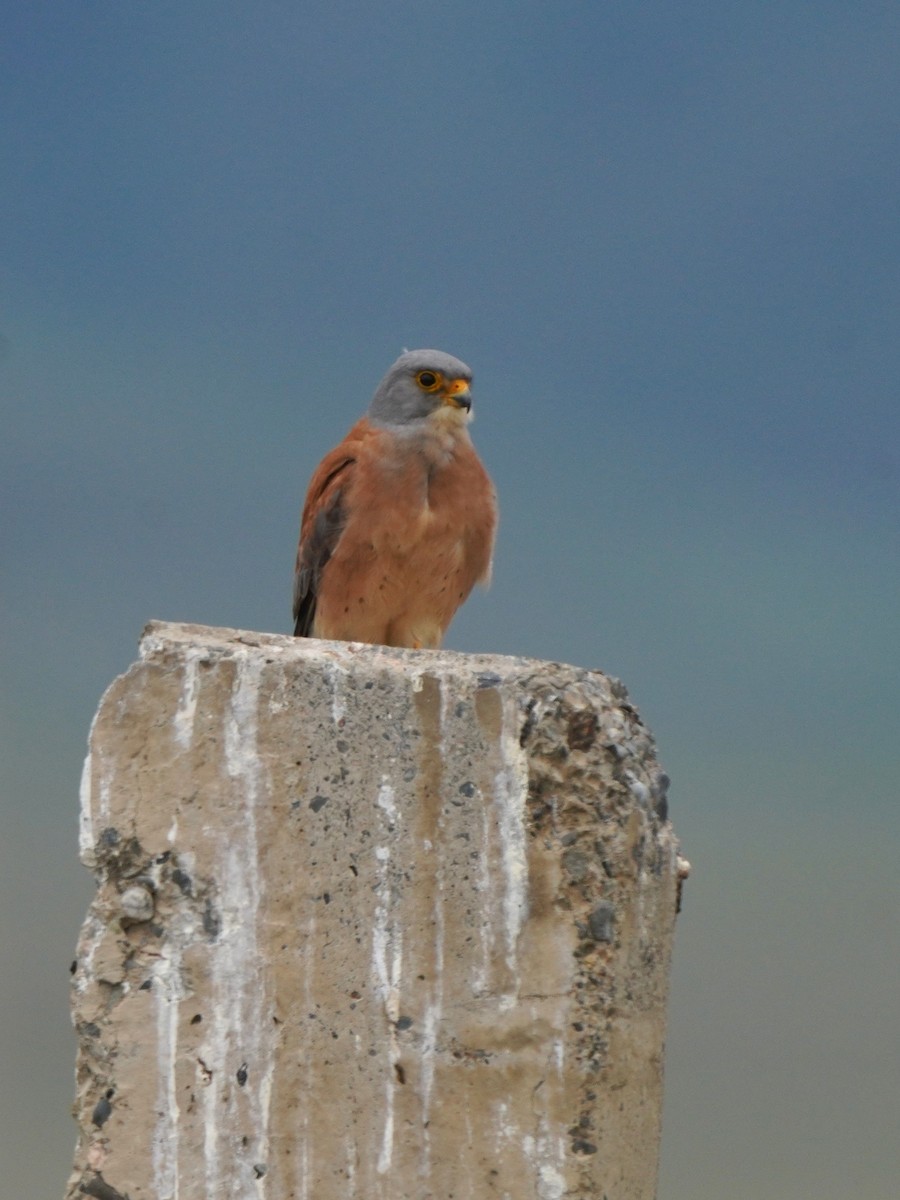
429, 381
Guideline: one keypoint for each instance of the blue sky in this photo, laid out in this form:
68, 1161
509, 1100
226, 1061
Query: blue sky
667, 240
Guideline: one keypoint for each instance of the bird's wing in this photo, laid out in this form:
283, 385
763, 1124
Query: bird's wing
323, 521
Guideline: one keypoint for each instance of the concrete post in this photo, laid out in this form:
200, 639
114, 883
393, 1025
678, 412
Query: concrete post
369, 923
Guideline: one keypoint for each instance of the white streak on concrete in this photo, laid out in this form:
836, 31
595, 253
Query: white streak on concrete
506, 1130
434, 1010
549, 1156
387, 942
434, 1007
337, 678
510, 788
387, 1137
92, 823
483, 885
386, 801
396, 973
167, 992
387, 966
544, 1154
240, 1028
380, 946
85, 819
183, 720
104, 806
241, 728
387, 939
303, 1157
350, 1147
551, 1183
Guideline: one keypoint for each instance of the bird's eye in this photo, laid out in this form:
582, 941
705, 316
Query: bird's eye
428, 380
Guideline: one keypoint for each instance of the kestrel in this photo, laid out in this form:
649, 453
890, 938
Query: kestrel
399, 519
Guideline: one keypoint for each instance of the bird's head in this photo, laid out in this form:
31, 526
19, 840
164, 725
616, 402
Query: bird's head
420, 384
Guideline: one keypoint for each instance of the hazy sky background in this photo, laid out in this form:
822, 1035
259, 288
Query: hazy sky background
665, 237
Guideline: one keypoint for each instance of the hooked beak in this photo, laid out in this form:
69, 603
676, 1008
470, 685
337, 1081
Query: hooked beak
457, 394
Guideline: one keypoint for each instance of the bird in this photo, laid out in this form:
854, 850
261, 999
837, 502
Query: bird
400, 518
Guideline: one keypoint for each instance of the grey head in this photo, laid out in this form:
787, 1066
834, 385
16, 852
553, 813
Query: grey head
420, 383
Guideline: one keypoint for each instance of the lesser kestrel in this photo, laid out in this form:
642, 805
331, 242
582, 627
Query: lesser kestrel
399, 519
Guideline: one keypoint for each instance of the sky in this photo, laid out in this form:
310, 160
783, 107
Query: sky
666, 238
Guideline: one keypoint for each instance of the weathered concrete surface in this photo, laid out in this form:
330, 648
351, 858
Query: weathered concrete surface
369, 923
